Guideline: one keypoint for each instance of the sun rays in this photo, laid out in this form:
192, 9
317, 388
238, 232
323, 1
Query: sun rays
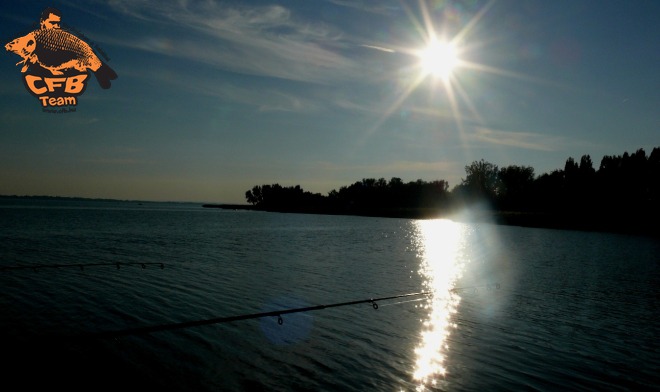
436, 65
439, 63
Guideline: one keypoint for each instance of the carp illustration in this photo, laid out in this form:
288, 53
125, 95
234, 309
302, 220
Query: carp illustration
57, 51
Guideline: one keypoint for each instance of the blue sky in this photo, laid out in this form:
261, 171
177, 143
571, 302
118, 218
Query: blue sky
216, 97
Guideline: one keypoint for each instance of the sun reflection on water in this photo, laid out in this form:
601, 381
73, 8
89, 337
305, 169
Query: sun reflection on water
440, 247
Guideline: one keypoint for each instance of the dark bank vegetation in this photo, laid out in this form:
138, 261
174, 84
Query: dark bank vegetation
622, 195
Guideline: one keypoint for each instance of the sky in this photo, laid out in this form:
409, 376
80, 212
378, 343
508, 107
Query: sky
215, 97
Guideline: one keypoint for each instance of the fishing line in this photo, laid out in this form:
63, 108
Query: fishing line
80, 266
218, 320
488, 287
403, 302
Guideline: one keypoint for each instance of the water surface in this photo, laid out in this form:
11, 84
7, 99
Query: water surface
512, 308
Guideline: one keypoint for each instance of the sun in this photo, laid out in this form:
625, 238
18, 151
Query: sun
438, 59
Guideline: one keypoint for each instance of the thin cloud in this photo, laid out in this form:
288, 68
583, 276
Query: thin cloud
351, 105
264, 100
530, 141
265, 40
419, 169
379, 48
114, 161
278, 101
375, 7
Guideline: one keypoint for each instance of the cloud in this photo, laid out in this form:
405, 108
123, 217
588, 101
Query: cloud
268, 41
260, 40
375, 7
529, 141
263, 99
379, 48
281, 102
113, 161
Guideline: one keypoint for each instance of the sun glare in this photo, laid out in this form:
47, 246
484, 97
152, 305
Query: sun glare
438, 59
441, 62
440, 244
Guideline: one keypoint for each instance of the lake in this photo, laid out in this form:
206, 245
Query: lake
511, 308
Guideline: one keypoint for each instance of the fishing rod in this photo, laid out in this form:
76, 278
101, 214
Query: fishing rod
81, 266
218, 320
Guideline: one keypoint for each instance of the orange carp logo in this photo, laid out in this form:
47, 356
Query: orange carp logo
57, 62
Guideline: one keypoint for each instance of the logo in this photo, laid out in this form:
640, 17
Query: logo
57, 62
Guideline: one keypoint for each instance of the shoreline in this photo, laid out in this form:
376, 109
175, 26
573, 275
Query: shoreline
610, 222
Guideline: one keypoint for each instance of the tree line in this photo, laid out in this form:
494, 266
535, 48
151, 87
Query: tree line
621, 183
369, 196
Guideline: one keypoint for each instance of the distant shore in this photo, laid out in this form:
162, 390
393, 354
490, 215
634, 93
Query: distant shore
600, 222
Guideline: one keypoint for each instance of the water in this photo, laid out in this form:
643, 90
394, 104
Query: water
513, 308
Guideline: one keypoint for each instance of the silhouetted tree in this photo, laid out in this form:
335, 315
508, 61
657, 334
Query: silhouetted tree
547, 191
654, 176
370, 195
636, 173
480, 183
610, 179
586, 168
571, 181
515, 187
624, 186
254, 197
